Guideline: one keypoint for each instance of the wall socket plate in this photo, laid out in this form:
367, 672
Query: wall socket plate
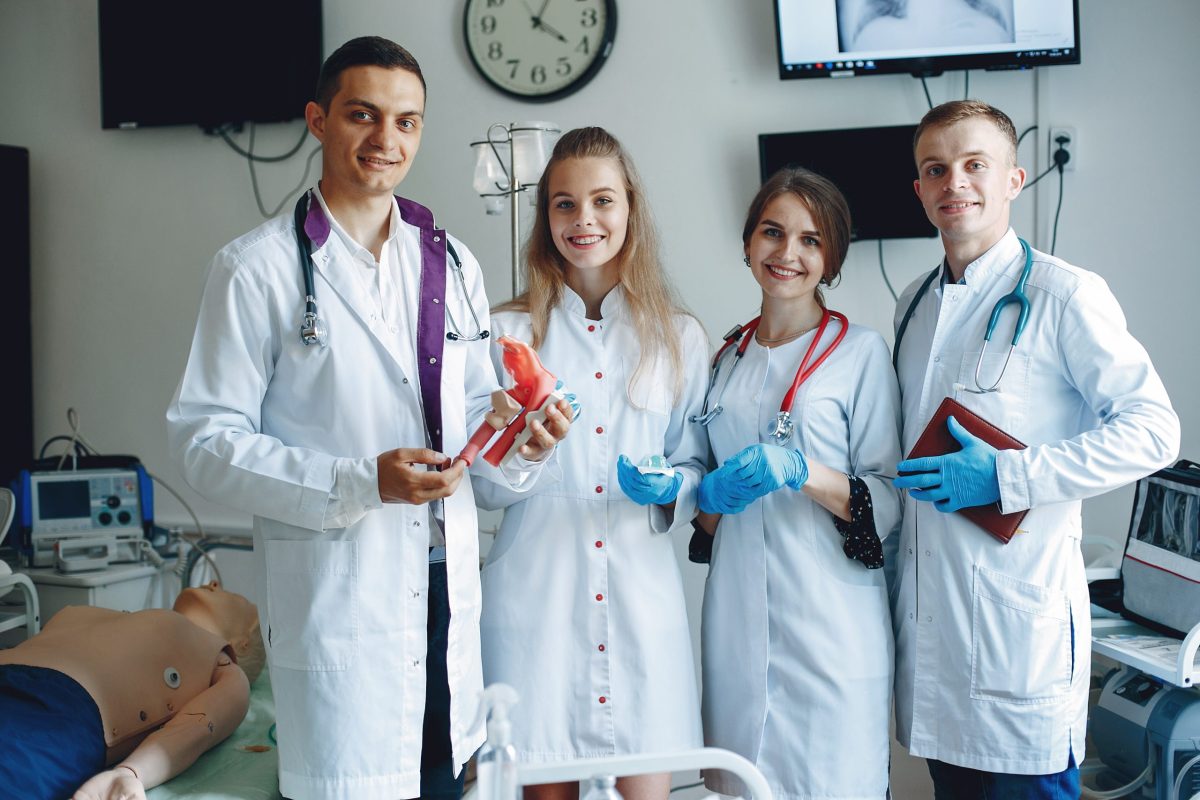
1072, 146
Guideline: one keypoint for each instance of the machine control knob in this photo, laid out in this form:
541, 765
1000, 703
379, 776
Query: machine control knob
105, 518
123, 517
113, 501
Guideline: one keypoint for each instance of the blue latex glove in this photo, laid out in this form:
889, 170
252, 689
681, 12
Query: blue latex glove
956, 480
752, 473
647, 488
764, 468
570, 398
720, 493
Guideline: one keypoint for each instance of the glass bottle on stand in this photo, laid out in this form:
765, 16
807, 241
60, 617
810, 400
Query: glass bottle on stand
603, 787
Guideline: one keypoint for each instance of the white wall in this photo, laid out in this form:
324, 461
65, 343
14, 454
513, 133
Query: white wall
124, 223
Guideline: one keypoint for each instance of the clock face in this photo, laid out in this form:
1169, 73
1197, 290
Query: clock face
539, 49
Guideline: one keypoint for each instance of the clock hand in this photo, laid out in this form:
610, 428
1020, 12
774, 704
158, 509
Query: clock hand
542, 10
553, 32
534, 19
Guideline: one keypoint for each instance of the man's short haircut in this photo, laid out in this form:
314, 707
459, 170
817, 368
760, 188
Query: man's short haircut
958, 110
365, 51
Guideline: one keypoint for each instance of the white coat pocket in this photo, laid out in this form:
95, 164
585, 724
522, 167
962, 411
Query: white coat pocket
1021, 640
653, 390
1006, 406
312, 604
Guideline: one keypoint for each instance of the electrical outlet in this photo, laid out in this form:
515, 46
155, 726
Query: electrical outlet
1071, 145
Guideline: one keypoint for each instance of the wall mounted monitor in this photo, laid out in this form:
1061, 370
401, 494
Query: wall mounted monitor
873, 167
841, 38
207, 63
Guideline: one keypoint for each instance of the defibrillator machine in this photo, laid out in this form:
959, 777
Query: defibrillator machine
87, 518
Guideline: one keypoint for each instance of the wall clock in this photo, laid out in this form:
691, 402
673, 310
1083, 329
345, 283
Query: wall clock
539, 50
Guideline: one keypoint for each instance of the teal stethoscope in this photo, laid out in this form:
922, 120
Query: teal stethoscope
1017, 295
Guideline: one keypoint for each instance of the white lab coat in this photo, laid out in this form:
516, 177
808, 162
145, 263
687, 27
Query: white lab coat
987, 677
797, 638
262, 423
583, 602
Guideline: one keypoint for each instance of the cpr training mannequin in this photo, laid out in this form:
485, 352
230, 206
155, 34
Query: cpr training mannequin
143, 694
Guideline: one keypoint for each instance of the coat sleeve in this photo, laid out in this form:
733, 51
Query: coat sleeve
874, 433
1138, 430
686, 443
214, 423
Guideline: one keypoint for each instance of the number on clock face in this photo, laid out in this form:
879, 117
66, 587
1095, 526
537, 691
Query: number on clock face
539, 49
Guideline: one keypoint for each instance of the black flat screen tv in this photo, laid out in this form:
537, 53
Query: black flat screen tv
208, 63
842, 38
872, 166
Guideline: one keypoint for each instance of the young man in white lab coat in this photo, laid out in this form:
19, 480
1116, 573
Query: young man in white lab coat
365, 533
993, 640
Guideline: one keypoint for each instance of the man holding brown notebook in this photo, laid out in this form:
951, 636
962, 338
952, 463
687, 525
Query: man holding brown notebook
993, 637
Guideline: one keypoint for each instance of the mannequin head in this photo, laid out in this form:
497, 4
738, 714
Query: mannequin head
230, 616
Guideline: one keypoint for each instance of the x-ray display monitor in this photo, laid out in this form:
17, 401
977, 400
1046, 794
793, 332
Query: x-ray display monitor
841, 38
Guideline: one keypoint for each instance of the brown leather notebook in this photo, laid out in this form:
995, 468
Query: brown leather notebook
936, 441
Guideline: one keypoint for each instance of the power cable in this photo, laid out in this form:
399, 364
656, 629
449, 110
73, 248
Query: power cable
1051, 168
262, 209
1061, 157
1057, 211
884, 271
223, 132
252, 159
925, 86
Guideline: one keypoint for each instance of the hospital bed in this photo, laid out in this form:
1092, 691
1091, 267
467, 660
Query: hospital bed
243, 767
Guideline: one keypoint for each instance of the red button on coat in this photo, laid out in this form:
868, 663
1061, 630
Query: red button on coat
599, 375
599, 543
599, 597
603, 699
591, 328
601, 648
599, 429
599, 489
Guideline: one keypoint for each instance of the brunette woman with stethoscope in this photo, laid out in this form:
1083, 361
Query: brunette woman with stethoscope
803, 419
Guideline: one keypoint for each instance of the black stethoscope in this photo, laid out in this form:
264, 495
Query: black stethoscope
313, 329
1017, 295
781, 429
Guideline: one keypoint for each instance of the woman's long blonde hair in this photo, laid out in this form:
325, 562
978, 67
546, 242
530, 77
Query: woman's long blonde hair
652, 302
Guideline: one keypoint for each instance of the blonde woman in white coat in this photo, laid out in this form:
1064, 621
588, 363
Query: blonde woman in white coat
583, 603
797, 637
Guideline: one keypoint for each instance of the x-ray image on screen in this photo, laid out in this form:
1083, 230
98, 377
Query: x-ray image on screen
1170, 518
843, 38
910, 24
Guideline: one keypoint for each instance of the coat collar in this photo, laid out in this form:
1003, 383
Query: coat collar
612, 306
995, 261
320, 222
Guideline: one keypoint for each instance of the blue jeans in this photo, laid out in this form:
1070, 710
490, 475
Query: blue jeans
51, 737
437, 761
960, 783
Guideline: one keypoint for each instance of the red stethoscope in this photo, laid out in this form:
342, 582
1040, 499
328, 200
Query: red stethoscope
781, 429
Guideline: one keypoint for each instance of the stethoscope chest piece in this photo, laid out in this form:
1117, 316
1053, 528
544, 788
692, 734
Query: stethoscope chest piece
314, 330
781, 428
